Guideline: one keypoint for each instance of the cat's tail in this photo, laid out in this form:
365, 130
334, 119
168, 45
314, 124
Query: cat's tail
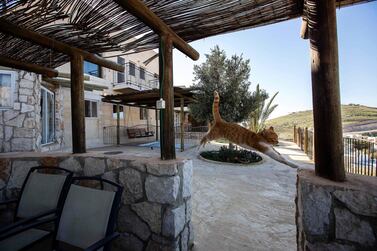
215, 107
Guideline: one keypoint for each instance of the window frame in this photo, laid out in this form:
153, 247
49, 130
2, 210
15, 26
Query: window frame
91, 108
143, 113
12, 88
46, 121
134, 68
142, 73
122, 61
121, 112
99, 69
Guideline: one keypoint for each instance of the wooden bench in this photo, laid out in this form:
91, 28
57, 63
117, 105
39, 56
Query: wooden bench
138, 133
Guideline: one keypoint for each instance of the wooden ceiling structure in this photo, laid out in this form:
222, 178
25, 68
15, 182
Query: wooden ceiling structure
148, 98
39, 36
99, 26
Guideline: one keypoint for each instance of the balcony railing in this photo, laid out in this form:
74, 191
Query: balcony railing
137, 78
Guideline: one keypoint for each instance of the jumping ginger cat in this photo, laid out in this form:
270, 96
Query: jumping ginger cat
262, 141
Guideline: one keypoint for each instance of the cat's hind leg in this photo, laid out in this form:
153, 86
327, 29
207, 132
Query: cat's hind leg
207, 138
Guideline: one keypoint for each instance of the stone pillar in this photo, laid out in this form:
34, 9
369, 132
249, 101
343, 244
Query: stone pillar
336, 216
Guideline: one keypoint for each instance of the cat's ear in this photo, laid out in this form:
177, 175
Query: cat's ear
271, 128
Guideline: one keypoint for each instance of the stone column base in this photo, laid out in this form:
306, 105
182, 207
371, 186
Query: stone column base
336, 216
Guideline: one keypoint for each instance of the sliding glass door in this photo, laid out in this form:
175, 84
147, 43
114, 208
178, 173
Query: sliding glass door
48, 116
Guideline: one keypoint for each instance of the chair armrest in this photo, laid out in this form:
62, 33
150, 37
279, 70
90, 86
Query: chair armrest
25, 221
23, 228
6, 202
103, 242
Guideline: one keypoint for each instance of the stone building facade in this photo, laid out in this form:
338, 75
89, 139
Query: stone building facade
20, 125
23, 127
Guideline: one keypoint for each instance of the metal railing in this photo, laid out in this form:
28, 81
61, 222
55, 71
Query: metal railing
360, 154
191, 135
137, 78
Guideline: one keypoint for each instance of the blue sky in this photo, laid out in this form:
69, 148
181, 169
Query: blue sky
280, 59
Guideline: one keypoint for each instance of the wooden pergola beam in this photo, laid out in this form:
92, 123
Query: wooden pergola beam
8, 62
47, 42
328, 134
138, 9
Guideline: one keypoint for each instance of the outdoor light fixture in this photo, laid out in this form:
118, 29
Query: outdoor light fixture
160, 104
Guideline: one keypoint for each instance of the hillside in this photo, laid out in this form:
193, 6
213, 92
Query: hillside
355, 118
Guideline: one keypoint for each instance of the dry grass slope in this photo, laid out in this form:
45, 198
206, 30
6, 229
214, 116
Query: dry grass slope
351, 114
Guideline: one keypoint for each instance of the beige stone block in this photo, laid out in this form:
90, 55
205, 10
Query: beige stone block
26, 108
23, 133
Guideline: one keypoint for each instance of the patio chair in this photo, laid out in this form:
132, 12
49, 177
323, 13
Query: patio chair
87, 220
42, 194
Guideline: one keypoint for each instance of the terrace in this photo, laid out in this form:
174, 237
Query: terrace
38, 36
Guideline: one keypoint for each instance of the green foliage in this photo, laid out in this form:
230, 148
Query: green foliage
226, 154
258, 117
229, 77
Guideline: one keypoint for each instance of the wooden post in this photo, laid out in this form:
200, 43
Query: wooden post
78, 104
156, 124
306, 140
325, 84
294, 134
118, 125
167, 138
182, 124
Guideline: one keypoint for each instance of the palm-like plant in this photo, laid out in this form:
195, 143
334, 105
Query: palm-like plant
262, 112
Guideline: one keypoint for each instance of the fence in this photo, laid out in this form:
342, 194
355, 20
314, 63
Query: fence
360, 154
191, 135
304, 138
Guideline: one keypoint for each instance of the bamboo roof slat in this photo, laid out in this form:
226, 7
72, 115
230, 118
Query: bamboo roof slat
99, 26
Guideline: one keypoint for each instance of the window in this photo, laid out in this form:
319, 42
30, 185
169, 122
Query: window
143, 114
92, 69
142, 73
132, 69
121, 112
47, 116
7, 81
90, 109
120, 74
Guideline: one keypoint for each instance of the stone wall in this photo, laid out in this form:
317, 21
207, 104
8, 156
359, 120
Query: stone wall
20, 127
156, 204
336, 216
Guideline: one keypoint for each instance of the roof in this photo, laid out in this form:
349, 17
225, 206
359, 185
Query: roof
100, 26
148, 98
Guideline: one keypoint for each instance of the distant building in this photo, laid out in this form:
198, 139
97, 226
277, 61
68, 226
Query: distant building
35, 112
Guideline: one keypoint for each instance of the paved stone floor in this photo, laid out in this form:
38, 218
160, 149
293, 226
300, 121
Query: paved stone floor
242, 207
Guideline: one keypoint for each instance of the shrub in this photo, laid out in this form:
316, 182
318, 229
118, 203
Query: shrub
224, 154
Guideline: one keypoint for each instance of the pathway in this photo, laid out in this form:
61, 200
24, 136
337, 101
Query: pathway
245, 208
